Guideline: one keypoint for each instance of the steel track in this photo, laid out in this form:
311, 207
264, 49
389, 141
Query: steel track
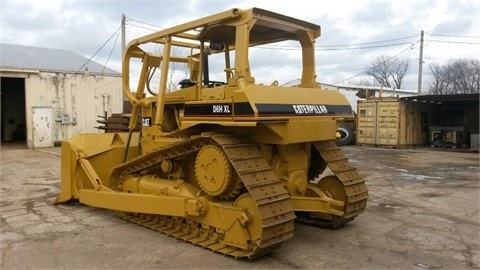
276, 212
353, 183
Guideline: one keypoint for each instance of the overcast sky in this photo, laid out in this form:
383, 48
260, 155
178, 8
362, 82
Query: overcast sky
354, 32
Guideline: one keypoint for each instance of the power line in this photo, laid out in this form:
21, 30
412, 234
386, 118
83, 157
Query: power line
366, 43
118, 29
111, 51
149, 24
389, 59
318, 48
334, 47
343, 47
455, 42
356, 68
439, 35
142, 27
362, 48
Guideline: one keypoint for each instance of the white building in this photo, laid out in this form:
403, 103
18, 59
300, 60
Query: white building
353, 93
49, 95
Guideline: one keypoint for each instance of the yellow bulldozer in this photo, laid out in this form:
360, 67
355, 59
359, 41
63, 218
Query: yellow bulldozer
221, 162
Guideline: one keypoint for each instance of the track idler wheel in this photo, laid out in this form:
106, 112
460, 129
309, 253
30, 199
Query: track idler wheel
215, 174
255, 223
333, 187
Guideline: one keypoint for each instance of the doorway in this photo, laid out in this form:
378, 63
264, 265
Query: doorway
13, 120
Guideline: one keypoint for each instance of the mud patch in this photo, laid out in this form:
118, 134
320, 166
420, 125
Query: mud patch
390, 206
430, 195
449, 168
416, 177
426, 266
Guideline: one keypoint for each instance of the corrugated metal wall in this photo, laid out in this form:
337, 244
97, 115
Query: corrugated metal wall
75, 100
378, 121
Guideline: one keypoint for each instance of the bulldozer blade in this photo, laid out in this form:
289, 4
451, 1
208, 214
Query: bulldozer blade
101, 151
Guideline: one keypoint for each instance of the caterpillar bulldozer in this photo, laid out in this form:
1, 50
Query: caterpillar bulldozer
222, 162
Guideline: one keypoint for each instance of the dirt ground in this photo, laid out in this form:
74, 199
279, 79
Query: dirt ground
423, 212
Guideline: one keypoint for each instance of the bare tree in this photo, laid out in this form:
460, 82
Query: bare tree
388, 71
176, 72
440, 82
461, 76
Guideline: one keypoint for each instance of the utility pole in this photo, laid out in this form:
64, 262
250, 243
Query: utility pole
420, 65
123, 34
121, 57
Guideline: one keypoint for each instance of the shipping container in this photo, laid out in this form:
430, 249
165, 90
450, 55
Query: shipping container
391, 121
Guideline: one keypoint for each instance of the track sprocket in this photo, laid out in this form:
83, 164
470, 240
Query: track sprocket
214, 173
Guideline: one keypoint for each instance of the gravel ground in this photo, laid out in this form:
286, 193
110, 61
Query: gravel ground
423, 213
